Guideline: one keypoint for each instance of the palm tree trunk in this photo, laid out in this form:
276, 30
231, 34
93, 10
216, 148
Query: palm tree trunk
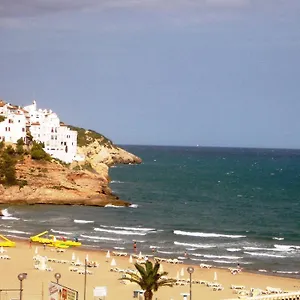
148, 295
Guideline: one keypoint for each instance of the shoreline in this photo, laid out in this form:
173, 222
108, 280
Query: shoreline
36, 284
84, 248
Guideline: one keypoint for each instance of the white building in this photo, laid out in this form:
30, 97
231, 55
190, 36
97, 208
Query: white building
44, 126
14, 125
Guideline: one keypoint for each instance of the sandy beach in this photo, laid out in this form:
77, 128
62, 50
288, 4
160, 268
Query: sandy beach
36, 284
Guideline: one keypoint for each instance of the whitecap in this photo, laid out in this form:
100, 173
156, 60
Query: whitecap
217, 256
122, 232
203, 234
5, 213
92, 237
233, 249
287, 247
278, 238
83, 221
264, 254
262, 270
61, 232
166, 252
133, 206
204, 246
286, 272
223, 261
16, 231
129, 228
10, 218
113, 206
116, 181
119, 248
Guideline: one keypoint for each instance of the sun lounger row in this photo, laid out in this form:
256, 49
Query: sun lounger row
205, 266
123, 270
235, 271
5, 257
38, 267
59, 261
119, 253
80, 270
168, 260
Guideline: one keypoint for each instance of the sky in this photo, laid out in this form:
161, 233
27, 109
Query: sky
150, 72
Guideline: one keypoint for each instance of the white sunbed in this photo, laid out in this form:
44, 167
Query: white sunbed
213, 284
237, 287
5, 257
205, 266
218, 288
272, 290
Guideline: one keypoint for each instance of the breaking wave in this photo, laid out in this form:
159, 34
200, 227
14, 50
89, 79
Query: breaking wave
122, 232
83, 221
204, 246
212, 235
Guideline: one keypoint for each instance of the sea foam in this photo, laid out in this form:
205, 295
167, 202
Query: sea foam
83, 221
61, 232
203, 234
92, 237
122, 232
204, 246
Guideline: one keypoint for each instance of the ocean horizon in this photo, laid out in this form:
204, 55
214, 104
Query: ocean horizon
219, 205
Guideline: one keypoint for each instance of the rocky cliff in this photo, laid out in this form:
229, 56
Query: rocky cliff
81, 183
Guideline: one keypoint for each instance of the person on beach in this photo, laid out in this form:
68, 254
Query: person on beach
30, 243
134, 246
185, 254
44, 246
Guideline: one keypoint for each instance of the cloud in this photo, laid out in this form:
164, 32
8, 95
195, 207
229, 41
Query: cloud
31, 8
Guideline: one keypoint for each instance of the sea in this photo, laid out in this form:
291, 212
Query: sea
217, 206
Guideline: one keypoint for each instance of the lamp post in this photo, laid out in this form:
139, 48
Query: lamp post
84, 289
21, 277
190, 270
57, 277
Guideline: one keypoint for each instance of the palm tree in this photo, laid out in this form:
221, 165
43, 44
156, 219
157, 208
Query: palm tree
149, 278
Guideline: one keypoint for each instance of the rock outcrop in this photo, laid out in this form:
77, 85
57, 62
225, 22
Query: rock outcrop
96, 153
81, 183
53, 183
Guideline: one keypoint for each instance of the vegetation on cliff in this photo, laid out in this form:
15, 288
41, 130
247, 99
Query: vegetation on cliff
11, 155
86, 137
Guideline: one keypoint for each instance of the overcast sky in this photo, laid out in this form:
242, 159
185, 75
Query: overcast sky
160, 72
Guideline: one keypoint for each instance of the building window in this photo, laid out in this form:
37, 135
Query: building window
23, 129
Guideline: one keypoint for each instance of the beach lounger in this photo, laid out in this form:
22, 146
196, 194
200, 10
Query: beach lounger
237, 287
205, 266
73, 269
272, 290
218, 288
213, 284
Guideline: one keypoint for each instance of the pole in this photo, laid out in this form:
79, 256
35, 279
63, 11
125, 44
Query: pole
85, 265
190, 286
21, 289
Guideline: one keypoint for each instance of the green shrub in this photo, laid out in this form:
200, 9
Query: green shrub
37, 152
86, 137
8, 168
2, 118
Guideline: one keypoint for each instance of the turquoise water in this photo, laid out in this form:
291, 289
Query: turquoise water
220, 206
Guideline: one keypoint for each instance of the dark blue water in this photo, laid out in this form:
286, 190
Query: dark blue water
222, 206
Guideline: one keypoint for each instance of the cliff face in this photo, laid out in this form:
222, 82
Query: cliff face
97, 154
52, 183
81, 183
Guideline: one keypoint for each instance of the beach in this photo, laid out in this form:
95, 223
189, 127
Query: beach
36, 284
